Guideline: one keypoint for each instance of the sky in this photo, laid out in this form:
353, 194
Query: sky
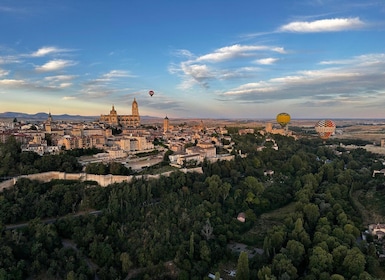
202, 58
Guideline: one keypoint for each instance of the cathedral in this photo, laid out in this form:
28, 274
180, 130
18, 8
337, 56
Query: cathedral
114, 119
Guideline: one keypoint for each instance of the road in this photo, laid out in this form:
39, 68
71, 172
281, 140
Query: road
51, 220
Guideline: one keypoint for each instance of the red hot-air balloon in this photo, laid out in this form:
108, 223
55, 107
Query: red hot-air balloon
325, 128
151, 92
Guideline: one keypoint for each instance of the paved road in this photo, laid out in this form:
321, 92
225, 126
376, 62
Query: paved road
51, 220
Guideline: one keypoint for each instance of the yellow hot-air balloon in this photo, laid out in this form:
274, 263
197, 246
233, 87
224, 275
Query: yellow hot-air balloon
325, 128
283, 119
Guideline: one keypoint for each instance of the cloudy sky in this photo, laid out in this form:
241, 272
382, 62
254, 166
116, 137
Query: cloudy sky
202, 58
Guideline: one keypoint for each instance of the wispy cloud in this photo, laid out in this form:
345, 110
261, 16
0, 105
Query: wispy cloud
3, 73
44, 51
9, 59
60, 81
323, 25
7, 9
266, 61
357, 77
11, 83
236, 51
66, 98
221, 64
118, 74
55, 65
60, 78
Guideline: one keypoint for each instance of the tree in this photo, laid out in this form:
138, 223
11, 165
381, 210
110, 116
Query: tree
224, 190
243, 270
283, 267
191, 252
207, 230
295, 251
265, 274
311, 214
320, 261
354, 262
126, 262
214, 182
205, 252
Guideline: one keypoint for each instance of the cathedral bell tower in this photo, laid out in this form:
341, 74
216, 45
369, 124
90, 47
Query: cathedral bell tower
135, 110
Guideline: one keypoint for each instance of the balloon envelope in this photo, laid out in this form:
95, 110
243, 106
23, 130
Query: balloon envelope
151, 92
325, 128
283, 119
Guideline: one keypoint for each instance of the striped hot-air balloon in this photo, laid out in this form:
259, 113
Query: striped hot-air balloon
325, 128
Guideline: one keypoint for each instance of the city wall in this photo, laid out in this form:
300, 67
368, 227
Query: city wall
102, 180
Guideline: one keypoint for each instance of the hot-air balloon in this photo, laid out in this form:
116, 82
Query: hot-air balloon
325, 128
151, 92
283, 119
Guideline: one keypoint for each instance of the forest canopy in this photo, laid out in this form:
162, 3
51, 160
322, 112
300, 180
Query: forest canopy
189, 220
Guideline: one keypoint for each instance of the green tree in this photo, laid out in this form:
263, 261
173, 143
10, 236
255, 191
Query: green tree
265, 273
126, 262
320, 261
243, 270
283, 267
311, 214
354, 262
214, 183
205, 252
295, 252
191, 251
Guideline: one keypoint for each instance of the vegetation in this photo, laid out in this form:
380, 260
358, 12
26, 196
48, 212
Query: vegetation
13, 162
304, 216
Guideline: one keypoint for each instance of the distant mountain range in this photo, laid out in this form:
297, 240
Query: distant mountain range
44, 116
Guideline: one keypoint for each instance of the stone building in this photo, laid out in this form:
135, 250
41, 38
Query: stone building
114, 119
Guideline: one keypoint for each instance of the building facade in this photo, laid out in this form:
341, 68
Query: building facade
114, 119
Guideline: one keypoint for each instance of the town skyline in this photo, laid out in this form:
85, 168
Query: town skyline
243, 60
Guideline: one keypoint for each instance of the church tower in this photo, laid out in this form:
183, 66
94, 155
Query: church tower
166, 125
113, 116
135, 110
48, 127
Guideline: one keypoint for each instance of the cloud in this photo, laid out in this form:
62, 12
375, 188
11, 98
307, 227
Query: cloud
6, 9
358, 77
220, 65
11, 82
118, 74
236, 51
66, 98
44, 51
55, 65
323, 25
266, 61
9, 59
3, 73
60, 78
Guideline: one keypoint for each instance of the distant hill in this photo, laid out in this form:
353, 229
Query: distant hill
65, 117
44, 116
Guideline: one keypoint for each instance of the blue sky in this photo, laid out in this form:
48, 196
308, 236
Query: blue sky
202, 58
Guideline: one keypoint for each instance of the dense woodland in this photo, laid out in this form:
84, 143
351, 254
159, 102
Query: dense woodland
178, 227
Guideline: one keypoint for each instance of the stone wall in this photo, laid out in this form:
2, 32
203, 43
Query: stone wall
102, 180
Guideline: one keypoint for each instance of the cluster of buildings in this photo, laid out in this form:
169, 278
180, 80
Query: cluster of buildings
190, 145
